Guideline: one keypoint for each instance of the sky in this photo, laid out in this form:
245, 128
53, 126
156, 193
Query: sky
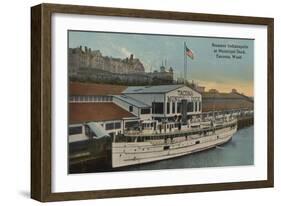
206, 69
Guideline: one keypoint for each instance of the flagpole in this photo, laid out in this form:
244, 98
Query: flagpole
184, 75
185, 63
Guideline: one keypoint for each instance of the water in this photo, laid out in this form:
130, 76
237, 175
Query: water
237, 152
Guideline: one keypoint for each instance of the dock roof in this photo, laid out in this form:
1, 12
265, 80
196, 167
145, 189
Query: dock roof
89, 89
95, 112
151, 89
132, 101
231, 95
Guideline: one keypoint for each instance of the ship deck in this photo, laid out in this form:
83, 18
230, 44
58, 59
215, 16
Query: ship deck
184, 131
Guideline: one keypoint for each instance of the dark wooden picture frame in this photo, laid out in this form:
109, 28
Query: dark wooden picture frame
41, 96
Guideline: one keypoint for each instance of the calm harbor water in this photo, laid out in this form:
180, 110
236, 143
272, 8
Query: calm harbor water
239, 151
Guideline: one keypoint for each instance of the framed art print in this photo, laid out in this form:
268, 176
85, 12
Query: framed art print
130, 102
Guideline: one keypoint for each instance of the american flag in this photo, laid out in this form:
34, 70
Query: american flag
189, 53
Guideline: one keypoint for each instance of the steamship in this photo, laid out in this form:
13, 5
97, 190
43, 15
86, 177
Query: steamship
153, 141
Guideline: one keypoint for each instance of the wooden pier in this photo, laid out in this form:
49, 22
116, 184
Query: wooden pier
245, 121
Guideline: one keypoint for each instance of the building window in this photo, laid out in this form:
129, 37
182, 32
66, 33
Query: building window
113, 125
131, 124
168, 107
145, 111
173, 108
179, 107
75, 130
157, 107
109, 126
131, 108
199, 106
117, 125
190, 107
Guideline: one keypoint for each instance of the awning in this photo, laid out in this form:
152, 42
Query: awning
98, 130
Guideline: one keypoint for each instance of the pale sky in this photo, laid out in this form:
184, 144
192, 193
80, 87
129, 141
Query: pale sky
205, 69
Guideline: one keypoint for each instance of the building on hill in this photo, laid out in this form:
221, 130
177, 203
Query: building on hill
86, 65
164, 75
86, 58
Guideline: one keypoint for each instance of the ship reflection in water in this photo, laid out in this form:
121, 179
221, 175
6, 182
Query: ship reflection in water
237, 152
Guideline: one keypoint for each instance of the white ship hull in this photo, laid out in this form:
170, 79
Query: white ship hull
132, 153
